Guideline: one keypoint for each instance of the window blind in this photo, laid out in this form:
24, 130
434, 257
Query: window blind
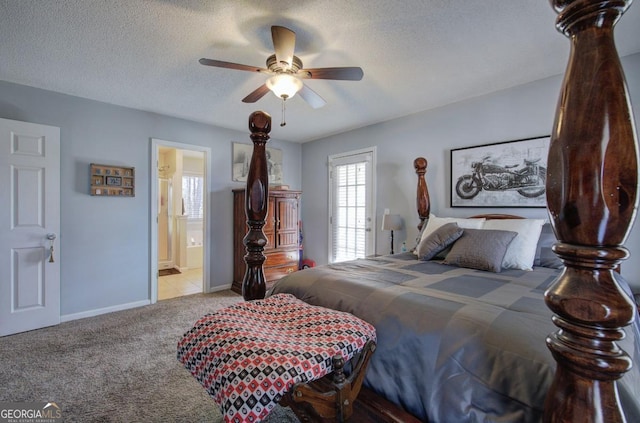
192, 195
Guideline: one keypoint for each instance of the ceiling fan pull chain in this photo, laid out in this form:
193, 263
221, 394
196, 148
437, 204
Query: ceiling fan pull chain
284, 108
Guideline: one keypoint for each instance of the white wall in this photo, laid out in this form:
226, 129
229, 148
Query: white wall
520, 112
104, 242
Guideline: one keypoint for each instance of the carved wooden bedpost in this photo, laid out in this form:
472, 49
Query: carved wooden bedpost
592, 183
256, 202
422, 196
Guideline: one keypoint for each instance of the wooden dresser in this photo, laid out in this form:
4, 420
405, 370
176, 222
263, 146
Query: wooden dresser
281, 229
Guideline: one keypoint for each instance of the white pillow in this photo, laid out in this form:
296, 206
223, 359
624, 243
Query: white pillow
522, 250
435, 222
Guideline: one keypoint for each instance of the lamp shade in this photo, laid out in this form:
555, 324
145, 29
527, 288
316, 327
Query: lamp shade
391, 222
284, 85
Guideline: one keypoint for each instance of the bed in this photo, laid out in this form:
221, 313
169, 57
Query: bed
454, 344
472, 345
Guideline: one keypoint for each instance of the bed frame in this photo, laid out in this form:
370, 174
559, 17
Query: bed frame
592, 180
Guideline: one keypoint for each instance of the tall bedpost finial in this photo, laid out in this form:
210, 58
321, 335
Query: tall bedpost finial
594, 145
422, 196
256, 205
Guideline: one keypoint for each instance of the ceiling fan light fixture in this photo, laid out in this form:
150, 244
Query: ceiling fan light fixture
284, 85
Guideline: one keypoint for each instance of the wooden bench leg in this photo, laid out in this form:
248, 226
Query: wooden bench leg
331, 398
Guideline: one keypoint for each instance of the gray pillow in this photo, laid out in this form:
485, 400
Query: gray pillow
481, 249
438, 240
544, 256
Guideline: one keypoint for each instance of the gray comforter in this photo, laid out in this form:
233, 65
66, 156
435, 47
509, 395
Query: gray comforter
454, 344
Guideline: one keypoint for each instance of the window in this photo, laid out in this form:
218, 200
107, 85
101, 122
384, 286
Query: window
351, 198
192, 195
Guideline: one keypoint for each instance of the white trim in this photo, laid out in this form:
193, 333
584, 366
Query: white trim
207, 241
104, 310
220, 288
347, 154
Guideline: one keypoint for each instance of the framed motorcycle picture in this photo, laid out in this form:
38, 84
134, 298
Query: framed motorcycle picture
503, 174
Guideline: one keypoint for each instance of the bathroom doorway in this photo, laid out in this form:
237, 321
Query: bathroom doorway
179, 211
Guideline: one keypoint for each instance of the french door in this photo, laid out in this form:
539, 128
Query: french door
351, 200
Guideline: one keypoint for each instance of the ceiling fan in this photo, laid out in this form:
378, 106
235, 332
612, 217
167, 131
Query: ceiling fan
287, 71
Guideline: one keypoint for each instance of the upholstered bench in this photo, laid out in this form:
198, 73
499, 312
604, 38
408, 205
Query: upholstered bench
252, 354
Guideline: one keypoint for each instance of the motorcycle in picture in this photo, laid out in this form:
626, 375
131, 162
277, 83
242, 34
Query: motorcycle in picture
529, 180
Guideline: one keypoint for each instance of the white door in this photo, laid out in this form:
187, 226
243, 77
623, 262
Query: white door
351, 199
29, 226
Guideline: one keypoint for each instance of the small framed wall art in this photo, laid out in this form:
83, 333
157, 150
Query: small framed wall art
242, 158
112, 181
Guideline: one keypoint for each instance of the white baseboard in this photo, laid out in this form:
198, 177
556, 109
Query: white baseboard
105, 310
219, 288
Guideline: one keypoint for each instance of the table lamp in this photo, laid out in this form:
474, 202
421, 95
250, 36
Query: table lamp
391, 222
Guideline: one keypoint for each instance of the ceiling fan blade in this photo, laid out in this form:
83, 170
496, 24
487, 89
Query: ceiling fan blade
311, 97
256, 94
229, 65
284, 42
345, 74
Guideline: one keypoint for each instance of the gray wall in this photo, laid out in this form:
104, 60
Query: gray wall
520, 112
104, 242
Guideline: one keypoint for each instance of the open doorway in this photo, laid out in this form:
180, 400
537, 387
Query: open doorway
179, 219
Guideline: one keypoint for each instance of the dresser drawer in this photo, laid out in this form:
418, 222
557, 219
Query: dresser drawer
281, 258
277, 272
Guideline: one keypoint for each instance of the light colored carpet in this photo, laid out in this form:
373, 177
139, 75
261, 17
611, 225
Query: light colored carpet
117, 367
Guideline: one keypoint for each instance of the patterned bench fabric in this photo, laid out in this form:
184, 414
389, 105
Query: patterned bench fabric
249, 355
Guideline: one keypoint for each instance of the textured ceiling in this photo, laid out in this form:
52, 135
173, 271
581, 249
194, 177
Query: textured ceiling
416, 54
